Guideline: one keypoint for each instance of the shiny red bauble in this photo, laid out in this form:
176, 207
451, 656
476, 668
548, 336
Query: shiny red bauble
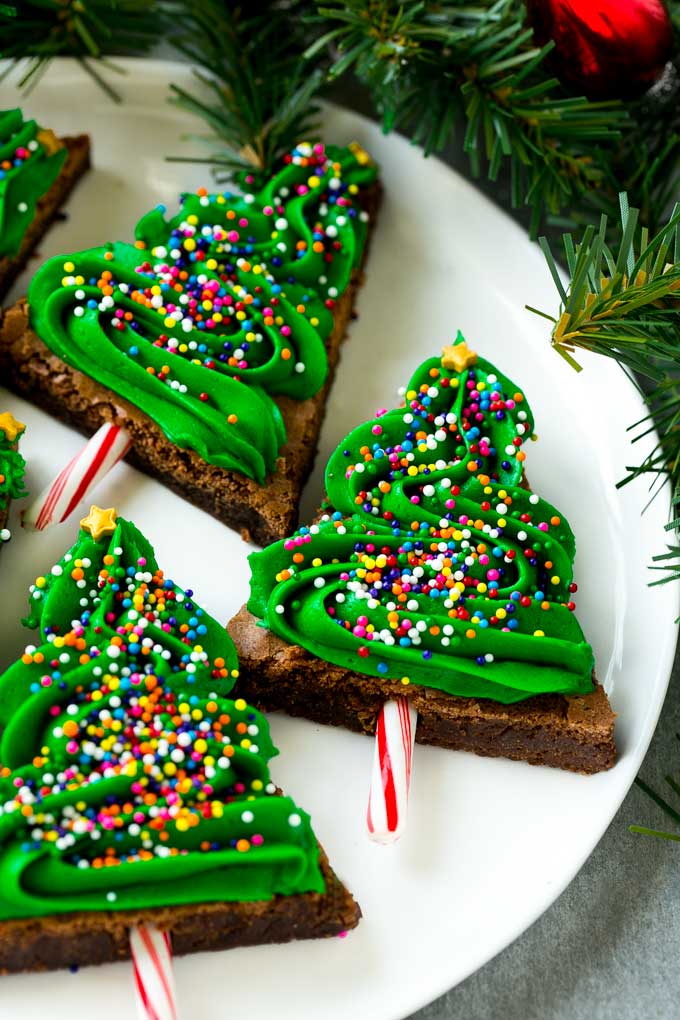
604, 49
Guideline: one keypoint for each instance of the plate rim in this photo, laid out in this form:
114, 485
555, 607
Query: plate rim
164, 69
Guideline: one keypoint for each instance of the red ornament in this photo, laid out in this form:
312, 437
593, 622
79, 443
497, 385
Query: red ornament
607, 49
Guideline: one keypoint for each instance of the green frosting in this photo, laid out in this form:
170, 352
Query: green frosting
435, 564
12, 464
27, 172
212, 312
128, 778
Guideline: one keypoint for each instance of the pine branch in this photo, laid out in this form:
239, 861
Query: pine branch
433, 66
39, 30
257, 91
620, 303
623, 302
665, 806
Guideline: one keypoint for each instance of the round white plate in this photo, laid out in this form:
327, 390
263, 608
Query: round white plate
490, 844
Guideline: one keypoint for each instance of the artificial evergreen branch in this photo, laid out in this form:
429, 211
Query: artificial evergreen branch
621, 303
665, 806
89, 30
434, 66
624, 303
257, 91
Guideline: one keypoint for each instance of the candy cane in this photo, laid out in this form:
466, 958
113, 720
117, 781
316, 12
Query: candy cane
391, 778
55, 503
154, 981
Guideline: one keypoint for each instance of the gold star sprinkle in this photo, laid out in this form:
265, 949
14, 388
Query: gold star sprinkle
362, 157
100, 522
49, 140
10, 426
458, 357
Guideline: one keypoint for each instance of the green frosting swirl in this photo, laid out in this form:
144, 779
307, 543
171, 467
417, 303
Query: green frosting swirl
128, 778
212, 312
434, 564
27, 172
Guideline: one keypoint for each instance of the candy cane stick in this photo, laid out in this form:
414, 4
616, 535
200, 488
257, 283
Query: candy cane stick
391, 778
154, 981
55, 503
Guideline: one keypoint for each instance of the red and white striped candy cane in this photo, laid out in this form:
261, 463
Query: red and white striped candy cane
154, 981
391, 778
71, 486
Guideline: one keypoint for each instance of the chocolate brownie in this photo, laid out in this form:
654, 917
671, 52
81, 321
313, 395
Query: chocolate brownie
261, 508
133, 789
568, 732
436, 574
84, 938
262, 513
12, 466
76, 164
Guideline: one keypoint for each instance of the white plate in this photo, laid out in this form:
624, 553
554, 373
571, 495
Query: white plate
490, 844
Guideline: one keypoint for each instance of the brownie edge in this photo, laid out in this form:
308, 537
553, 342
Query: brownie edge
89, 937
75, 165
568, 732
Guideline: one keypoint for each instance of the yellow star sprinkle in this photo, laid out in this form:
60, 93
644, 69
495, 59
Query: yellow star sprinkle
100, 522
362, 157
458, 357
10, 426
49, 140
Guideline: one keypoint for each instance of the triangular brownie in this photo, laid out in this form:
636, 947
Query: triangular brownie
38, 171
435, 573
132, 788
12, 466
213, 338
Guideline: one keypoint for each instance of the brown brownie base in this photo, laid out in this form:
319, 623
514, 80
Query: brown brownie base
88, 937
77, 162
262, 513
567, 732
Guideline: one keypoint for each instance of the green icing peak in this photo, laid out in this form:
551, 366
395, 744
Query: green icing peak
128, 778
216, 309
28, 168
435, 564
